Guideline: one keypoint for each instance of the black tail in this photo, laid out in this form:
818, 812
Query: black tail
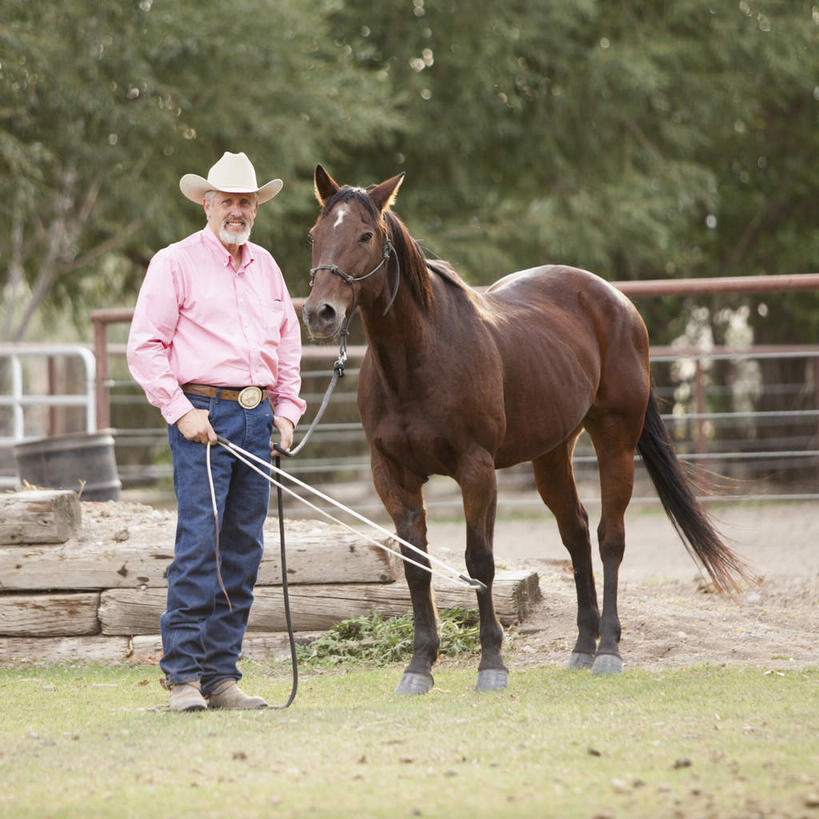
681, 505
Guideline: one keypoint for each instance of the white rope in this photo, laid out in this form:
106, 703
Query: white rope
454, 575
216, 526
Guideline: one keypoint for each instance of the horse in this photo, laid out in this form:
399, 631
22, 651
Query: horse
460, 383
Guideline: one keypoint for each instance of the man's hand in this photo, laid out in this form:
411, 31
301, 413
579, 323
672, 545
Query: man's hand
195, 426
285, 429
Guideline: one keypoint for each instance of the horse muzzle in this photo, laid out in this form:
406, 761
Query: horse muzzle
323, 319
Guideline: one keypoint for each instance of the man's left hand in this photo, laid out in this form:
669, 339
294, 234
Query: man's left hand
285, 428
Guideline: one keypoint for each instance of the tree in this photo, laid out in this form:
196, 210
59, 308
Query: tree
102, 110
639, 139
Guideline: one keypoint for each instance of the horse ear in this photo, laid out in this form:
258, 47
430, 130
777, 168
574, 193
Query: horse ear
324, 185
384, 194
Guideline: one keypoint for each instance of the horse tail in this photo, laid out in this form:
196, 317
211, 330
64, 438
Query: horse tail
685, 512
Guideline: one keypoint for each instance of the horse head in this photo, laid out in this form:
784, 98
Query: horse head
351, 251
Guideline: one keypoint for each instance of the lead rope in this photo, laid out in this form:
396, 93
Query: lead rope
453, 575
338, 372
216, 527
294, 663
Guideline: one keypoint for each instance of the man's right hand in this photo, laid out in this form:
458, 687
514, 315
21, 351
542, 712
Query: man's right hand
195, 426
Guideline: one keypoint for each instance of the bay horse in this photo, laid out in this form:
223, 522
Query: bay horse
460, 383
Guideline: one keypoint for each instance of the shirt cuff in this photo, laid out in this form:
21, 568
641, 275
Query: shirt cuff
287, 410
176, 408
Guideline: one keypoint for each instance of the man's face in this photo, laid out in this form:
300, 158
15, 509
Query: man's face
231, 216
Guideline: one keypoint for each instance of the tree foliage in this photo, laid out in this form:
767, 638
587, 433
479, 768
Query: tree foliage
103, 108
639, 139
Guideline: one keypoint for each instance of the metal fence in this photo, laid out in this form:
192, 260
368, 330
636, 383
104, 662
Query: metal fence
721, 406
21, 391
753, 453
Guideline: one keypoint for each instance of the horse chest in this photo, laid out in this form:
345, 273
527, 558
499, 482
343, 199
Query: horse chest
400, 433
415, 442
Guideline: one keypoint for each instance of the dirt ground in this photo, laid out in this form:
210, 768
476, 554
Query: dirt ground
669, 612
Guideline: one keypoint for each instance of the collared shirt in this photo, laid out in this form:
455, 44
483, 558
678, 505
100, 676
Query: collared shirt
198, 320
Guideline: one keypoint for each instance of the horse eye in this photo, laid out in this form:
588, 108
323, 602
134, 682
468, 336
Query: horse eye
365, 237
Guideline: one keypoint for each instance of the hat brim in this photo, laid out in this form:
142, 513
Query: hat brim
194, 187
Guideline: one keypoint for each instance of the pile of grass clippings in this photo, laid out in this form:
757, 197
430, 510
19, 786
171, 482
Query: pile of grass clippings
374, 640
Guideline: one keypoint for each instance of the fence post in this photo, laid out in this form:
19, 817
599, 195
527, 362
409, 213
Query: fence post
52, 390
699, 394
101, 377
816, 392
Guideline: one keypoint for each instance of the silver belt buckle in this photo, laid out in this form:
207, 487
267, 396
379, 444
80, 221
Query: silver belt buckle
250, 397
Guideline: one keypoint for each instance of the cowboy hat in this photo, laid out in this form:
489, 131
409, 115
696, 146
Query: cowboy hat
233, 173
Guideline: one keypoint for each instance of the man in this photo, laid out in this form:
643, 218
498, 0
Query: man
214, 333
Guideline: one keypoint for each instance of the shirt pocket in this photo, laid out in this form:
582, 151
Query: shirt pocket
275, 320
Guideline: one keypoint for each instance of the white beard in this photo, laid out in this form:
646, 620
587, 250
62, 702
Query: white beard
231, 238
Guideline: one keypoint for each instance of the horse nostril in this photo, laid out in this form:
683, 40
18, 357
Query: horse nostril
327, 312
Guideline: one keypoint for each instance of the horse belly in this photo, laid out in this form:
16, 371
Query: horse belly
549, 387
533, 430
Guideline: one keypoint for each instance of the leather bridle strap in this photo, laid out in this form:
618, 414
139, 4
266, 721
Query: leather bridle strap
351, 280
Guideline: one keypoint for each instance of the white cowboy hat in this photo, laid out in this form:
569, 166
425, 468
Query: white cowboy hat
233, 173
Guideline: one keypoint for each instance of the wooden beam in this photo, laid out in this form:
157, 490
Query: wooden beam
316, 553
49, 615
147, 649
39, 516
317, 608
46, 650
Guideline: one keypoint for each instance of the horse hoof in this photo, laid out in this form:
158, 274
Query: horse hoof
492, 679
414, 683
580, 662
607, 664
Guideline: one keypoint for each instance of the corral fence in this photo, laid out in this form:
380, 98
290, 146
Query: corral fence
761, 436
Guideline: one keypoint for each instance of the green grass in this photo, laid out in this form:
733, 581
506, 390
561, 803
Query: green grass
94, 741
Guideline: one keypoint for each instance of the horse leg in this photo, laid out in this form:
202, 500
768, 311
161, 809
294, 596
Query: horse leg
615, 458
554, 479
401, 495
479, 489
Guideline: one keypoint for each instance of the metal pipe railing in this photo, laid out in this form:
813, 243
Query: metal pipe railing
18, 400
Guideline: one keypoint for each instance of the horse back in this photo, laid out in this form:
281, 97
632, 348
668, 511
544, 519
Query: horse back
564, 300
572, 345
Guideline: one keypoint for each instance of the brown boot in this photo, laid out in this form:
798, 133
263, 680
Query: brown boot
228, 695
185, 696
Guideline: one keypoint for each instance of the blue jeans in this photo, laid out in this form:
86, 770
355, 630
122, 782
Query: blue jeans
201, 637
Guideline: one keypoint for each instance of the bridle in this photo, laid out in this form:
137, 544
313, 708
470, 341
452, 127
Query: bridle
352, 280
338, 367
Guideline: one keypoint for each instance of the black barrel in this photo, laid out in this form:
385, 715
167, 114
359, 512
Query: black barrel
83, 462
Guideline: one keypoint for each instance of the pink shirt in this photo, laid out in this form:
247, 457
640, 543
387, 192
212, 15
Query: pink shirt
199, 320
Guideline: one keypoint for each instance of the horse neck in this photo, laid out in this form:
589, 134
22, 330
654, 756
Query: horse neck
404, 338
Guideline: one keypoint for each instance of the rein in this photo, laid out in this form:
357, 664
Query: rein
444, 570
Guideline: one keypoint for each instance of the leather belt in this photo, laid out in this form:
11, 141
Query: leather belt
248, 397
